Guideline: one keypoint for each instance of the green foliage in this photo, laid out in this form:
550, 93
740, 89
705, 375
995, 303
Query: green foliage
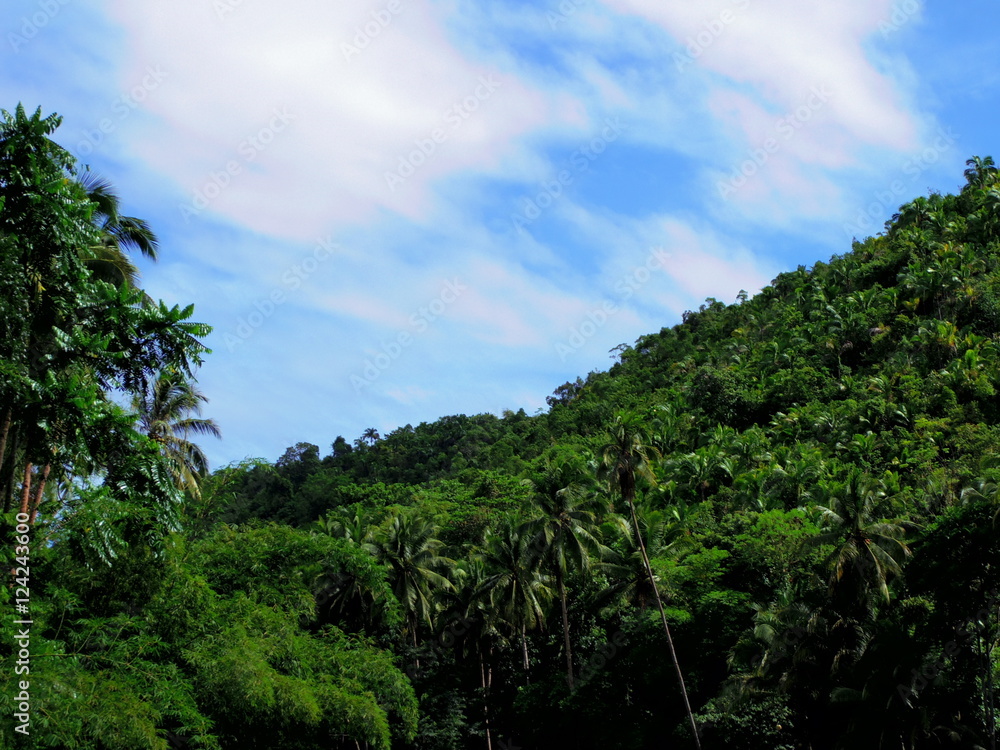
755, 724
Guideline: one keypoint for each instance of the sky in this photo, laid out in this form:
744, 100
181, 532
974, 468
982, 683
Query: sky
397, 210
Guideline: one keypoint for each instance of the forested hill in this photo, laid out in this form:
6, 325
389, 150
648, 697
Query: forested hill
882, 359
770, 527
812, 472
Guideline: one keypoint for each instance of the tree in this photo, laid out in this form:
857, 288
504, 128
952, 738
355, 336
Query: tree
564, 533
663, 532
169, 413
43, 224
349, 523
469, 622
410, 549
981, 172
119, 235
517, 590
866, 551
67, 340
624, 457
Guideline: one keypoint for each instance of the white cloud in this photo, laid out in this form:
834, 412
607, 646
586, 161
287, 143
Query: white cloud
783, 49
353, 116
702, 266
812, 79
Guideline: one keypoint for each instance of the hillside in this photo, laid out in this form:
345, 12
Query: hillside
771, 526
805, 447
884, 358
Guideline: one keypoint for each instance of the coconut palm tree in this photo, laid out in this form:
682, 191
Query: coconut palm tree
663, 534
517, 590
564, 533
773, 652
410, 549
981, 172
120, 235
625, 457
347, 523
168, 412
867, 552
469, 623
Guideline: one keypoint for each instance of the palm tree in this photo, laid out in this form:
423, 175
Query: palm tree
168, 412
564, 533
981, 172
517, 591
774, 650
663, 533
864, 548
410, 549
108, 259
624, 457
347, 523
468, 623
981, 489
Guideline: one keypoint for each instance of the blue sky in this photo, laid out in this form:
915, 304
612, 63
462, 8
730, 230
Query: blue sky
391, 211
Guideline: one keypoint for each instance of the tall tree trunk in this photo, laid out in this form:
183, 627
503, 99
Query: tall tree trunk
4, 432
663, 617
38, 493
8, 473
524, 646
486, 701
416, 661
26, 491
565, 621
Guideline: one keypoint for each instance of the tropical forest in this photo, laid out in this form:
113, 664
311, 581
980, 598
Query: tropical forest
774, 525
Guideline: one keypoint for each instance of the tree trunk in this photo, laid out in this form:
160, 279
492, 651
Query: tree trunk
666, 627
26, 492
486, 702
38, 494
4, 432
416, 661
8, 473
524, 646
565, 620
